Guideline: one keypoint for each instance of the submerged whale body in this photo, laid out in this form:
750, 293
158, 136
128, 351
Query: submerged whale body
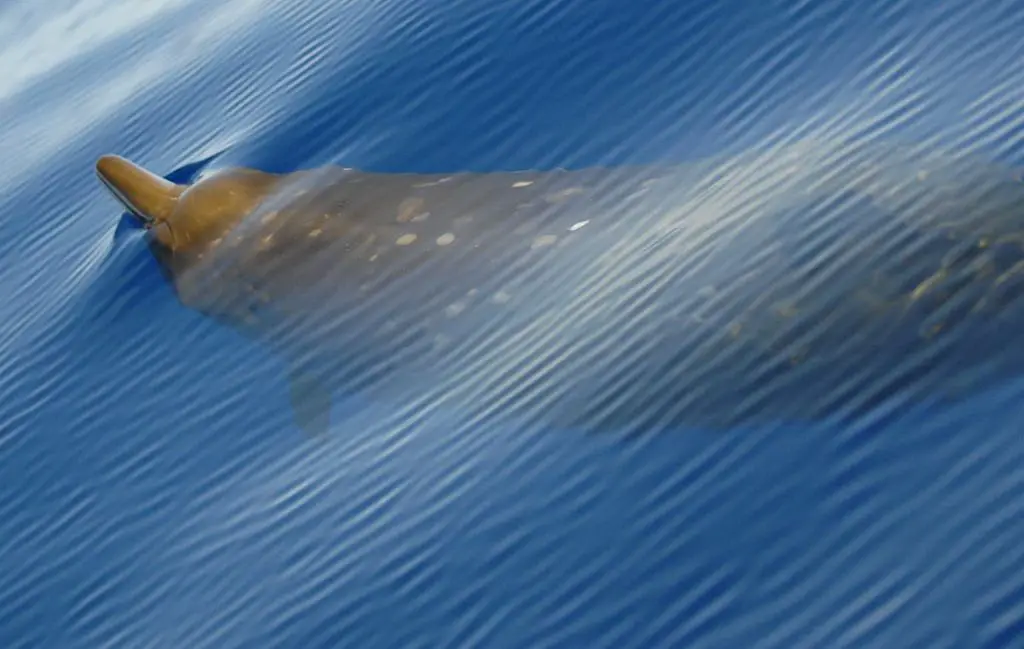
805, 282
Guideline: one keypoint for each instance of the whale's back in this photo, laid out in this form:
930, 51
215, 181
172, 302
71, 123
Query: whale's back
795, 285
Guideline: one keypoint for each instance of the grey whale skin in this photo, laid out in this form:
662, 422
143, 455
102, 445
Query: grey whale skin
807, 281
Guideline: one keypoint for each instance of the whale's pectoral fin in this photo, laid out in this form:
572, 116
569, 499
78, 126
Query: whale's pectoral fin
311, 402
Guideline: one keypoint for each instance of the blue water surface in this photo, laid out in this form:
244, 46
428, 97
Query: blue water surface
156, 493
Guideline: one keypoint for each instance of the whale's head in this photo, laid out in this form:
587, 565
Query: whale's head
185, 219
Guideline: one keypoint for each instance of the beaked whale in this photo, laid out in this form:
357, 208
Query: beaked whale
799, 283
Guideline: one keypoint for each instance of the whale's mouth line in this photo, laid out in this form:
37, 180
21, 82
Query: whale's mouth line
146, 220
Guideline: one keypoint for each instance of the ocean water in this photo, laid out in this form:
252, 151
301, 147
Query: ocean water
156, 493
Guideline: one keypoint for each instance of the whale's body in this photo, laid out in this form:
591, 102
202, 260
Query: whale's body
797, 284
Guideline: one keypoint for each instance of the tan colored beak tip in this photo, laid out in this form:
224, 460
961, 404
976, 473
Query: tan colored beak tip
146, 195
107, 166
105, 159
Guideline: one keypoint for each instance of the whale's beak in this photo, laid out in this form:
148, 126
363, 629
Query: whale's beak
147, 196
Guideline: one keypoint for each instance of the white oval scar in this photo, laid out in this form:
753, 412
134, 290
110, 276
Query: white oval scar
445, 239
315, 232
455, 309
577, 226
544, 240
405, 239
501, 297
522, 183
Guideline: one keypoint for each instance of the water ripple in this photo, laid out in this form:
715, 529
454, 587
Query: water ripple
156, 493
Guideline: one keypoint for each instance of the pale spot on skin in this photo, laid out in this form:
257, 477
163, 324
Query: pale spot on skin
927, 285
501, 297
364, 247
268, 217
1016, 269
445, 239
452, 310
266, 241
432, 184
374, 257
577, 226
544, 241
524, 229
315, 232
786, 309
922, 175
932, 331
558, 197
408, 208
405, 239
420, 217
522, 183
